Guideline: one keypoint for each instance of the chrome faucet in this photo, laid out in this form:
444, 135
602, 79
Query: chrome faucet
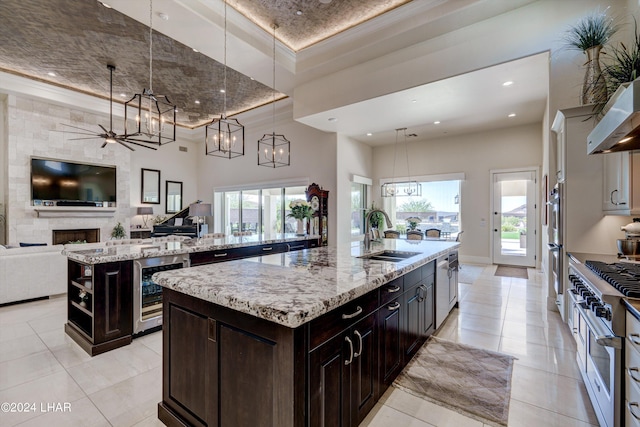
367, 222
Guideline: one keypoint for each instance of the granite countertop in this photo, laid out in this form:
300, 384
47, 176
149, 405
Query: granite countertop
157, 249
295, 287
582, 257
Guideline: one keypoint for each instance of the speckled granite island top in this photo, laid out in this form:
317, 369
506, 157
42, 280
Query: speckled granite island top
156, 249
295, 287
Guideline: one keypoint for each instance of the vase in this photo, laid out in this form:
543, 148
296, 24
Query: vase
594, 88
301, 229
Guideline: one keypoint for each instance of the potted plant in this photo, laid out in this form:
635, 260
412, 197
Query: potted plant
413, 222
301, 211
623, 64
118, 232
589, 36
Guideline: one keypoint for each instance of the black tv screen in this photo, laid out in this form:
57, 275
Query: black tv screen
58, 180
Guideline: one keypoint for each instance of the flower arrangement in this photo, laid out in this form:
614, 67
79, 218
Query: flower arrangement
300, 209
413, 222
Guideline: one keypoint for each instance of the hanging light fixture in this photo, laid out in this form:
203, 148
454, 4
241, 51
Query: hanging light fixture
224, 137
274, 150
401, 188
148, 117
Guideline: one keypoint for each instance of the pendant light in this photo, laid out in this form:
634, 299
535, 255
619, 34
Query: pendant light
274, 150
224, 137
401, 188
148, 117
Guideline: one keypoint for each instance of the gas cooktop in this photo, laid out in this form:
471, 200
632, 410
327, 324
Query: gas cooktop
624, 276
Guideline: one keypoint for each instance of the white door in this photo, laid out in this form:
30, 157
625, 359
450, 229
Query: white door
514, 218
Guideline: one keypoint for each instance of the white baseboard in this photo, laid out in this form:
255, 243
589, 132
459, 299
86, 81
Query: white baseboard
474, 259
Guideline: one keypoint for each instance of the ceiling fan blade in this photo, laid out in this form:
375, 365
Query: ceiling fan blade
122, 143
75, 127
104, 144
79, 139
141, 145
103, 128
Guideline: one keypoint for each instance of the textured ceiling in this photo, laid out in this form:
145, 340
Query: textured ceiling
76, 39
318, 19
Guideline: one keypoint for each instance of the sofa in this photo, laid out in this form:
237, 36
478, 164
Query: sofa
32, 272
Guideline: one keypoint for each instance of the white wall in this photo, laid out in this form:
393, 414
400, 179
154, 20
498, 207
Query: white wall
475, 155
4, 136
174, 165
313, 159
353, 157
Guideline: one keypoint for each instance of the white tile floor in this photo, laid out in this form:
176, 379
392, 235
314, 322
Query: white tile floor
40, 364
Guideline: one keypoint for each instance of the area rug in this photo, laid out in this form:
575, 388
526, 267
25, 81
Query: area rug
465, 379
510, 271
469, 273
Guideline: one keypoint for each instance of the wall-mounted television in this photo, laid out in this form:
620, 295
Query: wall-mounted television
56, 180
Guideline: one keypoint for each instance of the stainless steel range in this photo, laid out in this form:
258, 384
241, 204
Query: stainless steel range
597, 321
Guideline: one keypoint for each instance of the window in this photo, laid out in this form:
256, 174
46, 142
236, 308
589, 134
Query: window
438, 207
256, 210
358, 207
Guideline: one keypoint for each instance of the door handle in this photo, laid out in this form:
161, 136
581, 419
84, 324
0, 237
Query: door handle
354, 314
611, 198
495, 230
359, 352
634, 338
348, 362
393, 290
394, 306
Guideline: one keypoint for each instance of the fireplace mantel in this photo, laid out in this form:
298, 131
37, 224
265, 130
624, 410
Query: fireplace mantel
74, 211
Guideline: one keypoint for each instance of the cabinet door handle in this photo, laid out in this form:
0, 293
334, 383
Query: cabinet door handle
630, 371
394, 306
611, 198
296, 247
354, 314
631, 406
219, 255
267, 249
359, 352
348, 362
633, 338
393, 290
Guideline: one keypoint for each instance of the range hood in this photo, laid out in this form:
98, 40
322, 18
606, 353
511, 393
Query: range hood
619, 129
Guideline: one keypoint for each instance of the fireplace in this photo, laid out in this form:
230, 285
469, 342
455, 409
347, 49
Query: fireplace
88, 235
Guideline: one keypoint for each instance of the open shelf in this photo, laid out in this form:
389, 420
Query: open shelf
83, 283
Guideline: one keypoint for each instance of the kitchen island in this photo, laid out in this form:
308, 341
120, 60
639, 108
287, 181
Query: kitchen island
312, 337
111, 297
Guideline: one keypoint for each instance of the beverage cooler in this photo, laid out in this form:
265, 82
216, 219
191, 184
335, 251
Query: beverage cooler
147, 295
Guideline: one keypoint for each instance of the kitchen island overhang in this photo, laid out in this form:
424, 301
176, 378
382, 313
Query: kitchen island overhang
293, 338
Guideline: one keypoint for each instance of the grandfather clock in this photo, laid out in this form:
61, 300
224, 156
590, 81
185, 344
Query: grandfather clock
317, 197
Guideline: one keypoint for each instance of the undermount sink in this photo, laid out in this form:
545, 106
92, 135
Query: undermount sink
390, 256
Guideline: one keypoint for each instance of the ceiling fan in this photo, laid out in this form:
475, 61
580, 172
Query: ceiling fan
109, 136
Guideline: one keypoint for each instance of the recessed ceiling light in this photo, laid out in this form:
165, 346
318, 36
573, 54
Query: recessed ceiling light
123, 95
251, 78
332, 119
369, 134
437, 122
51, 73
298, 12
507, 83
104, 4
222, 91
197, 102
195, 50
414, 100
512, 115
163, 16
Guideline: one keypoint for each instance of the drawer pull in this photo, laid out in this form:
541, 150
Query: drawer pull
394, 306
630, 371
634, 338
631, 406
348, 362
219, 255
354, 314
296, 247
267, 249
393, 290
359, 352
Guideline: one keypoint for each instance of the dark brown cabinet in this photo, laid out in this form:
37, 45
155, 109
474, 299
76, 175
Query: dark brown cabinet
222, 367
100, 305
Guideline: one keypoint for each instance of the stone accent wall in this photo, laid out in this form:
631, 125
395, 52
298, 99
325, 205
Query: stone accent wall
33, 127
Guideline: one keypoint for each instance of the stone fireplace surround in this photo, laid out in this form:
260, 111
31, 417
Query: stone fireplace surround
33, 130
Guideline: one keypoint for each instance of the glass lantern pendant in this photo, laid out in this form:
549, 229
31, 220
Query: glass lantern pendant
224, 137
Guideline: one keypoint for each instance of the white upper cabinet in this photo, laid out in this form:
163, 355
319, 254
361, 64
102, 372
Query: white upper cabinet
621, 185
